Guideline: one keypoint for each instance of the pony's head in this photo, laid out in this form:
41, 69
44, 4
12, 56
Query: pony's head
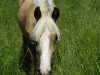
45, 35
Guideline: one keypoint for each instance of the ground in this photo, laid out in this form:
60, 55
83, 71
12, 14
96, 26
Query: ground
78, 52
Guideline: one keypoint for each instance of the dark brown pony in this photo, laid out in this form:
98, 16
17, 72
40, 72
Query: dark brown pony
37, 21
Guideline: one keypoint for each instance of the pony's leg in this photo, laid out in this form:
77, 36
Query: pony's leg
26, 59
23, 51
32, 51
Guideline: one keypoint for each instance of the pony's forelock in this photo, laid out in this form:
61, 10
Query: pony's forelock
45, 22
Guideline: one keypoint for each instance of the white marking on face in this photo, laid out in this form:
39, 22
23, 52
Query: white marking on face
45, 57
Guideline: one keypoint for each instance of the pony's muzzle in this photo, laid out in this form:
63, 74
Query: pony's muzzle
40, 73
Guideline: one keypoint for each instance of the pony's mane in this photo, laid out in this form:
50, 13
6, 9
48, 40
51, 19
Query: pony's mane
45, 21
42, 24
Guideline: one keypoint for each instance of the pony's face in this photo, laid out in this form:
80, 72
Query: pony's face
46, 48
45, 34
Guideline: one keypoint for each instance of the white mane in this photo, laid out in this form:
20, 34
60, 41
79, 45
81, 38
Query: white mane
43, 23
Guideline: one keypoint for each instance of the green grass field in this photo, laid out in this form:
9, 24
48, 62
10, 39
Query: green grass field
78, 53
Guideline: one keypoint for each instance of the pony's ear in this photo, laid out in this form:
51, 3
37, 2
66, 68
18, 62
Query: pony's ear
55, 14
37, 13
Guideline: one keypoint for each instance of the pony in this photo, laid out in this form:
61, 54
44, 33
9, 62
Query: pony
38, 24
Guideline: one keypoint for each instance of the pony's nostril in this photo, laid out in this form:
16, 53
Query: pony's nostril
39, 70
49, 73
39, 73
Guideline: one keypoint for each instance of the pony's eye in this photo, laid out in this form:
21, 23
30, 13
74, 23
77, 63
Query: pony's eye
37, 13
55, 14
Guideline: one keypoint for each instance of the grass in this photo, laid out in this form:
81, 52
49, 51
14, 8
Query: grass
78, 53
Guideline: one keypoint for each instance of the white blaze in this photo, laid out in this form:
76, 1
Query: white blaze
45, 58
